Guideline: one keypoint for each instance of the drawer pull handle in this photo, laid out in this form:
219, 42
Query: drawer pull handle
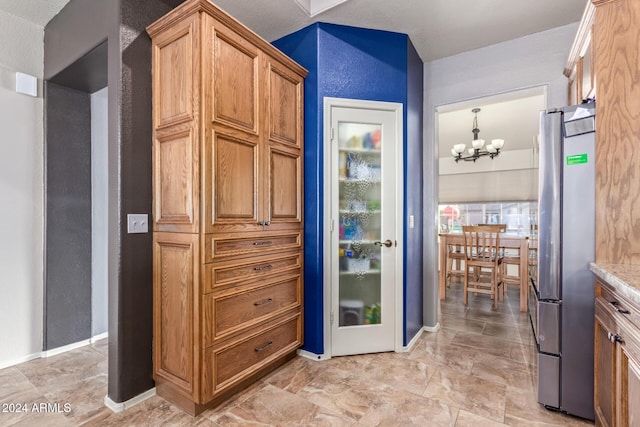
264, 347
264, 223
263, 243
265, 267
616, 306
263, 302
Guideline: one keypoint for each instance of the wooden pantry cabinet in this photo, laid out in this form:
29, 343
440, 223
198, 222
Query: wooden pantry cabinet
617, 359
227, 205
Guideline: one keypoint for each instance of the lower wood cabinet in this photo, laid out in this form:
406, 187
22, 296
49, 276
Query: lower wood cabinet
617, 359
212, 338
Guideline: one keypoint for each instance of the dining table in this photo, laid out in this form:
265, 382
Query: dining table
507, 241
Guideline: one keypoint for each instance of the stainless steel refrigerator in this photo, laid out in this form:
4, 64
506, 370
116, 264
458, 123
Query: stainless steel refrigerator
561, 302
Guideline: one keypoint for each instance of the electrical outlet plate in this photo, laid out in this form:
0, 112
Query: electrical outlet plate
137, 223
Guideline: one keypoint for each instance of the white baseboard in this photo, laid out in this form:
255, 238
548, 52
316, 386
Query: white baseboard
119, 407
20, 360
99, 337
413, 341
65, 348
432, 328
313, 356
54, 352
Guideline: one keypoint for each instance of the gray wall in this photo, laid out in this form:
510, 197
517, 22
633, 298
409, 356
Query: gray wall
75, 31
67, 302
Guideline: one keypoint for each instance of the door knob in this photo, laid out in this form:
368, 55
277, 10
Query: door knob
386, 243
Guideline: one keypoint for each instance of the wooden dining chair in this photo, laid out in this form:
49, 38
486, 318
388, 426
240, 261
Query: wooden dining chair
509, 257
455, 253
482, 251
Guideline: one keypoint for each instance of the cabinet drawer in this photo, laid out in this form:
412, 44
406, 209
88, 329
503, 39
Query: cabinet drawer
606, 315
227, 313
219, 275
221, 246
618, 304
225, 366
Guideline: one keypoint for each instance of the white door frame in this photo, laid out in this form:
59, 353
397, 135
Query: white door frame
396, 108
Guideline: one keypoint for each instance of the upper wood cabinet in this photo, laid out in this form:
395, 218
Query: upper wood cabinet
227, 116
579, 69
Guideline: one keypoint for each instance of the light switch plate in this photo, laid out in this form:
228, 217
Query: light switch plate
137, 223
411, 221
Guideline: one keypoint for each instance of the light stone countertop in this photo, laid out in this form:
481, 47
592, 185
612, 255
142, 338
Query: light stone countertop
623, 277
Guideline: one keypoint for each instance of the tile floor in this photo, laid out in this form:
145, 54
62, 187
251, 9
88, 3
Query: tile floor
477, 370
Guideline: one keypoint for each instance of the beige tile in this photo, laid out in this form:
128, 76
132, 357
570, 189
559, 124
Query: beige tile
484, 344
476, 395
453, 308
505, 331
12, 382
343, 393
442, 336
406, 409
504, 371
451, 356
152, 412
486, 315
467, 419
64, 369
462, 325
102, 346
399, 371
83, 399
274, 406
296, 374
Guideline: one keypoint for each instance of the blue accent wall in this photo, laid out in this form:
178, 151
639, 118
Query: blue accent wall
356, 63
413, 195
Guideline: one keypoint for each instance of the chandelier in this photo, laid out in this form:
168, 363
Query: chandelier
492, 150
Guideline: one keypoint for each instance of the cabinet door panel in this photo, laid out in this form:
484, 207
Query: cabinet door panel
176, 182
175, 275
284, 105
232, 184
174, 75
605, 368
285, 188
629, 375
235, 80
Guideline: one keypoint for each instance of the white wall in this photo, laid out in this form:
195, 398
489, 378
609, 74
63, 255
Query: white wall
21, 190
99, 209
534, 60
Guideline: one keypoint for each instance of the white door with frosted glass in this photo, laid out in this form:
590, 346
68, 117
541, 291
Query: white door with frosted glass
364, 211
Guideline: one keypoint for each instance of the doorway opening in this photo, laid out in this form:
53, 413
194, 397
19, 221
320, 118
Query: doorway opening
76, 239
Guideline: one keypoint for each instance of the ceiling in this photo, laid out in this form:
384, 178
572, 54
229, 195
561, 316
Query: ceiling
437, 28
